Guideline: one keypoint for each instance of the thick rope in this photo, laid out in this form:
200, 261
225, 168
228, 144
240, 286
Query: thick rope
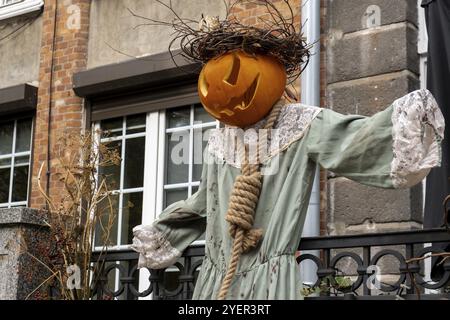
243, 201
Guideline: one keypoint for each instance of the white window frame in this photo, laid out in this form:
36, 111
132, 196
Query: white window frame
154, 175
121, 190
422, 44
20, 8
13, 165
162, 186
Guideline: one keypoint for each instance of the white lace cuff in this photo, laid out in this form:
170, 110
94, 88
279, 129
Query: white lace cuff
155, 250
417, 132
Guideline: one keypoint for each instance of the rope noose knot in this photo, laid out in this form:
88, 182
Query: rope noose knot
243, 201
242, 206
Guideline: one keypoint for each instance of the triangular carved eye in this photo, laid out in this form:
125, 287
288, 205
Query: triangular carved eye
203, 85
233, 74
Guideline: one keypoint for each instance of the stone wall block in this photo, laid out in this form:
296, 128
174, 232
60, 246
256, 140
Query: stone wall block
23, 233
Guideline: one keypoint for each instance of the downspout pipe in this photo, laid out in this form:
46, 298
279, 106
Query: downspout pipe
310, 95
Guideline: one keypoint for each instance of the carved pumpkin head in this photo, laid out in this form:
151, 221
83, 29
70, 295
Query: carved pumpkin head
240, 89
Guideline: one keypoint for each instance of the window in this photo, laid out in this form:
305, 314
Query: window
5, 3
127, 135
15, 142
12, 8
162, 155
161, 163
186, 136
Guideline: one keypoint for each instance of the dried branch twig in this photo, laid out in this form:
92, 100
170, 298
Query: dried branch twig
209, 37
84, 202
444, 255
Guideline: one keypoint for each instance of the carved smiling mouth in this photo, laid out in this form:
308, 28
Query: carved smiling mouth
244, 101
231, 79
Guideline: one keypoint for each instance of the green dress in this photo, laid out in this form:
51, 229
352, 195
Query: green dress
395, 148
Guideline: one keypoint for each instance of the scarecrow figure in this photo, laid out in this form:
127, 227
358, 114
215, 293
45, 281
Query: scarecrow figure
259, 169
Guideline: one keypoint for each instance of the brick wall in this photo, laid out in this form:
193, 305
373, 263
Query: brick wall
63, 52
250, 13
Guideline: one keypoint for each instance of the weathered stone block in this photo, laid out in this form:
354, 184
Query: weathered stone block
22, 231
351, 203
350, 15
22, 216
368, 96
372, 52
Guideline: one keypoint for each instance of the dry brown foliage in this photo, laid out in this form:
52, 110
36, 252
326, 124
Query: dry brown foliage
83, 204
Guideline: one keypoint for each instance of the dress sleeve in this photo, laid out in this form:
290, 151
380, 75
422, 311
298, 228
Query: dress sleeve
395, 148
161, 243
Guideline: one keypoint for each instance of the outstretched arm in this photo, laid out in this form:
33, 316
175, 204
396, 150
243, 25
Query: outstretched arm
395, 148
160, 244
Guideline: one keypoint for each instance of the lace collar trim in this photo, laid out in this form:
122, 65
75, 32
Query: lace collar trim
291, 125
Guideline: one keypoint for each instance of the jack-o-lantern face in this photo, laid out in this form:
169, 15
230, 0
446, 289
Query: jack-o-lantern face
240, 89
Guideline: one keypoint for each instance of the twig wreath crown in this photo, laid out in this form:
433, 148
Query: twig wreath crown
275, 34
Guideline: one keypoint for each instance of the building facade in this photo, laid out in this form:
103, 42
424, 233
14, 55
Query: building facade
73, 65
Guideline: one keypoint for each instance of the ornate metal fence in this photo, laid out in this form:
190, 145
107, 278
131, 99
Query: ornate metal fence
119, 278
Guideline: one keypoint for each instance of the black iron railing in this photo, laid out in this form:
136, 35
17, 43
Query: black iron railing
119, 278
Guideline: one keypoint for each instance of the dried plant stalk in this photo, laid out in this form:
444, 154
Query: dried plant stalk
84, 202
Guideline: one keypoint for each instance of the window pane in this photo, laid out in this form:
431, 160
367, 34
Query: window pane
23, 135
107, 211
201, 116
4, 184
131, 215
201, 137
136, 124
134, 163
5, 163
112, 127
20, 184
194, 189
6, 137
172, 196
177, 157
22, 160
178, 117
112, 173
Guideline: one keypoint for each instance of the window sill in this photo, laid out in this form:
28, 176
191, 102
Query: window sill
20, 8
